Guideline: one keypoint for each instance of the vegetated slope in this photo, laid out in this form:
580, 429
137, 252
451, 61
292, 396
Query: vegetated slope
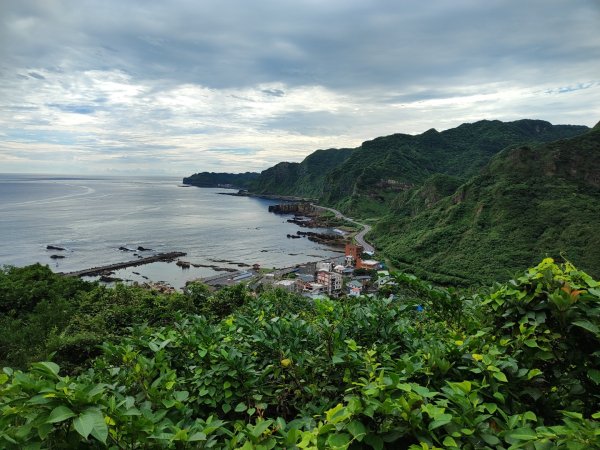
367, 182
304, 179
527, 203
214, 179
513, 367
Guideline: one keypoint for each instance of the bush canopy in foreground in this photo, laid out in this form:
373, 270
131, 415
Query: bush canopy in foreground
516, 366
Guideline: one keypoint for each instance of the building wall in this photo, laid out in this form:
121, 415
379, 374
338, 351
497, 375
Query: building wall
354, 250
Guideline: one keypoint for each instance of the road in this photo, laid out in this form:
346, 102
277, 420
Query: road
360, 237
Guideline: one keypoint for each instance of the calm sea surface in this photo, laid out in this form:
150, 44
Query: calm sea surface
91, 217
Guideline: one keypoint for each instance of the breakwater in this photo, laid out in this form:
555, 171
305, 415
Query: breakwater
170, 256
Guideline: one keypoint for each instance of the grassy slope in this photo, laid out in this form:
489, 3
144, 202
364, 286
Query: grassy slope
528, 203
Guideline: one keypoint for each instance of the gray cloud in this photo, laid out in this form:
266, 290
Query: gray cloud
202, 82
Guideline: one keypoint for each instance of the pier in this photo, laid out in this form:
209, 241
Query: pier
170, 256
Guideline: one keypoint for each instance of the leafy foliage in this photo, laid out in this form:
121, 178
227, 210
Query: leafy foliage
43, 313
514, 367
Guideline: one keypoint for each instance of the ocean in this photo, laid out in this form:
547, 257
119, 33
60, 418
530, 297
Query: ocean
92, 217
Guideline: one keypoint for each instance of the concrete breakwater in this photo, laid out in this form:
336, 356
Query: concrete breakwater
102, 270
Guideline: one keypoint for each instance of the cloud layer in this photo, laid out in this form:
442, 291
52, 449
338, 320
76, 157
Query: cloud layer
183, 86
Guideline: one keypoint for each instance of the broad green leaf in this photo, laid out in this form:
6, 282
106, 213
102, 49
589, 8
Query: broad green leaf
464, 386
594, 375
47, 367
449, 442
181, 396
59, 414
91, 422
533, 373
587, 325
241, 407
84, 424
441, 420
491, 407
521, 434
261, 427
500, 376
490, 439
198, 436
338, 441
374, 441
226, 407
336, 359
357, 429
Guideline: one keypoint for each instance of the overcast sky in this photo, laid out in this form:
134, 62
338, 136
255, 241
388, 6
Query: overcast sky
177, 87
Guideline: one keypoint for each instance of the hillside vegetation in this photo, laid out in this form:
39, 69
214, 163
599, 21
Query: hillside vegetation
514, 366
215, 179
529, 202
368, 182
305, 179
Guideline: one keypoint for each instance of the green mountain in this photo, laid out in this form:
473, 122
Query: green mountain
213, 179
305, 179
365, 181
370, 179
527, 203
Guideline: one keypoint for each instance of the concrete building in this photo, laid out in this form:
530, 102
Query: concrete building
353, 253
325, 265
354, 288
370, 264
331, 280
339, 268
288, 285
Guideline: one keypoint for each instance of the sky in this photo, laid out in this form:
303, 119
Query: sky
176, 87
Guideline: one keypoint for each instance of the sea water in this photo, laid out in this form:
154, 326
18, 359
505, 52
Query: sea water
91, 217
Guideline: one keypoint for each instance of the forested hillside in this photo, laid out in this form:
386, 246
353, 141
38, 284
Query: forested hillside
515, 366
305, 179
371, 178
529, 202
215, 179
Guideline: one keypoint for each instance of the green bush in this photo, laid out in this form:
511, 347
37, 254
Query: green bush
514, 366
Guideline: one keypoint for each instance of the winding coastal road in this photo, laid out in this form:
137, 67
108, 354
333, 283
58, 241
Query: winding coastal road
360, 237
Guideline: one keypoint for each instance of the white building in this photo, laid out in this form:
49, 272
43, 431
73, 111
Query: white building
288, 285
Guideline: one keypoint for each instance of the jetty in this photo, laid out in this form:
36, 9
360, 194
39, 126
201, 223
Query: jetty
170, 256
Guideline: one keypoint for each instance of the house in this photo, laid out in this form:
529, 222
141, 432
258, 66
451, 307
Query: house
287, 285
325, 265
307, 278
363, 279
369, 264
354, 288
331, 280
339, 269
313, 289
353, 253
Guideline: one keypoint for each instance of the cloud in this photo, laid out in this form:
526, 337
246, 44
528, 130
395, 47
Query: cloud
185, 86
